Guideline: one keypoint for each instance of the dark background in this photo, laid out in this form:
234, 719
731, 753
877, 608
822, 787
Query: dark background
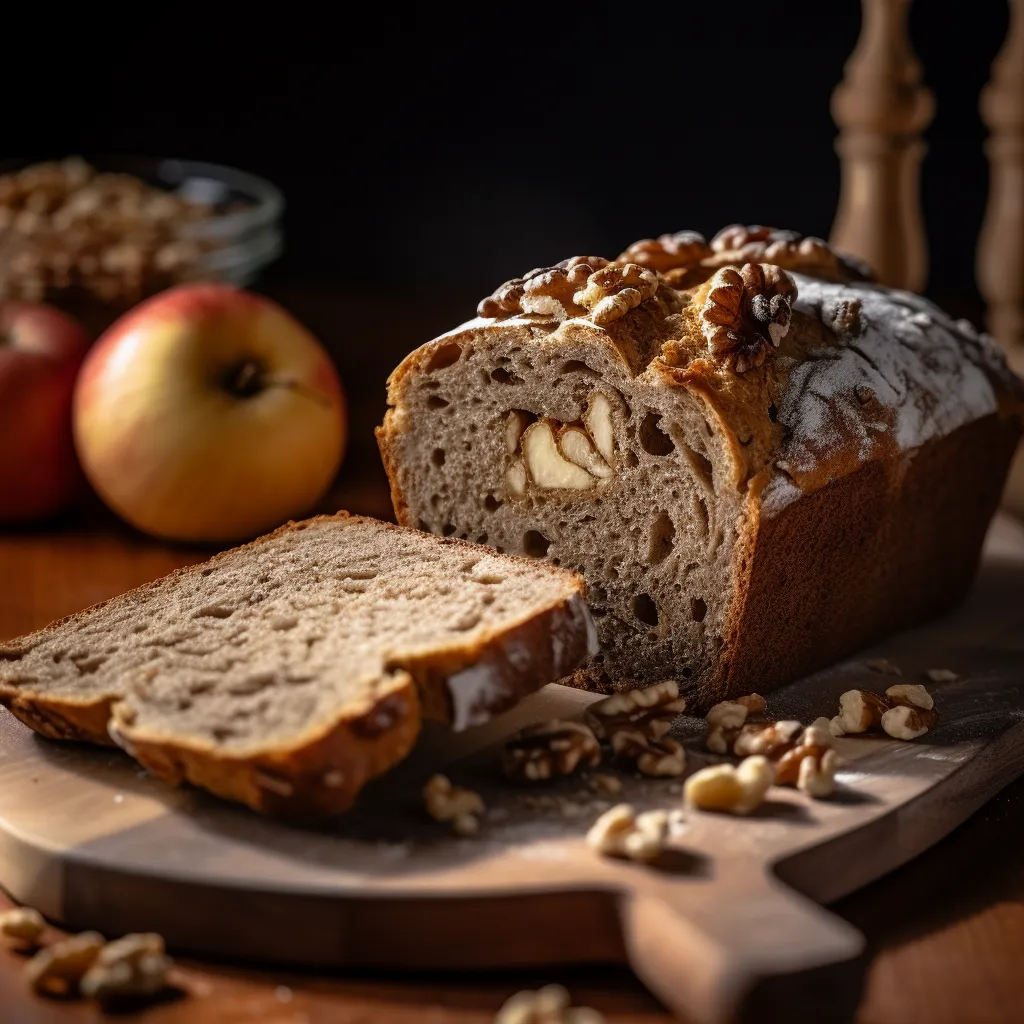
447, 149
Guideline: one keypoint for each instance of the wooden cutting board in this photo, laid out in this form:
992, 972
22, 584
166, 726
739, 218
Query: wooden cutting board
729, 918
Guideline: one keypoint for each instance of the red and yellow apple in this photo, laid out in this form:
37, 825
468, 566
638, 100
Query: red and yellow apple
208, 413
41, 350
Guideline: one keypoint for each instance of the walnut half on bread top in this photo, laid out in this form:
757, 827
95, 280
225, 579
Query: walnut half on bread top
759, 459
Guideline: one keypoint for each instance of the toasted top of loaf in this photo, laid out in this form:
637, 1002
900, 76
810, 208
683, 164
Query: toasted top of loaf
804, 366
262, 651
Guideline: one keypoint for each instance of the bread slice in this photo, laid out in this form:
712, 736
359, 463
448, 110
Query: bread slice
286, 673
759, 460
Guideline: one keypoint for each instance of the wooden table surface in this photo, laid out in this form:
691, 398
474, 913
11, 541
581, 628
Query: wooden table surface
945, 933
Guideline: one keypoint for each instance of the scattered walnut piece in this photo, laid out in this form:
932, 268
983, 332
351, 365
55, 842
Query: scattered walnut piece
860, 710
910, 693
905, 712
461, 807
735, 789
58, 970
768, 738
651, 710
907, 722
746, 313
726, 718
667, 252
656, 758
818, 774
22, 926
614, 290
132, 967
549, 750
883, 666
941, 675
621, 832
549, 1005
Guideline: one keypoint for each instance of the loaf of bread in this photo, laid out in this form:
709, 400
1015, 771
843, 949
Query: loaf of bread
759, 459
286, 673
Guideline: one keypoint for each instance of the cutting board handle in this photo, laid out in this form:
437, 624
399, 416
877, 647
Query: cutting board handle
703, 954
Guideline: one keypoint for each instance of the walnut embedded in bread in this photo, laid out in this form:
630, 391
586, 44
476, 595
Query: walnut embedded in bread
546, 290
746, 313
750, 243
683, 249
615, 290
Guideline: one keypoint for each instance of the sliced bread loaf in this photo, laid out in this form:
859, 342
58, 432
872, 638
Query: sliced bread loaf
286, 673
759, 461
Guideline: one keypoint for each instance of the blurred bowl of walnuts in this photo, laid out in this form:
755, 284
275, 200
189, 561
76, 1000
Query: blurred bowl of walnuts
96, 237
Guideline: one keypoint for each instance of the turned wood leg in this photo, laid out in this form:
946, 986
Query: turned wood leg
881, 108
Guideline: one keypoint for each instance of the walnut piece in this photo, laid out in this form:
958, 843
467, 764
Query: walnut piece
546, 291
734, 789
650, 711
132, 967
941, 675
667, 252
549, 750
560, 456
22, 926
754, 243
746, 313
57, 970
604, 783
461, 807
769, 738
621, 832
615, 290
905, 712
656, 758
549, 1005
884, 667
726, 718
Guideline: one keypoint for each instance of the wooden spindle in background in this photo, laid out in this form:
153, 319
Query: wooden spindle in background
1000, 264
881, 108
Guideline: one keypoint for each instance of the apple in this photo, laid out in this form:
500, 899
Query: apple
41, 350
208, 413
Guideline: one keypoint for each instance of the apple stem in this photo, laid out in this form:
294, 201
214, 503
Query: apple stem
246, 380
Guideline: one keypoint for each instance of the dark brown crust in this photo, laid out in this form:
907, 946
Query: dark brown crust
359, 744
876, 551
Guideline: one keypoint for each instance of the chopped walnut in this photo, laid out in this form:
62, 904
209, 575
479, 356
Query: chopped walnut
132, 967
461, 807
725, 787
844, 319
621, 832
57, 970
604, 783
817, 776
941, 675
746, 313
615, 290
550, 749
657, 758
769, 738
549, 1005
650, 711
726, 718
905, 712
546, 290
22, 926
667, 252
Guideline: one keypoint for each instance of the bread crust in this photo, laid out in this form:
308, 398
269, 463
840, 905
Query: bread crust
322, 772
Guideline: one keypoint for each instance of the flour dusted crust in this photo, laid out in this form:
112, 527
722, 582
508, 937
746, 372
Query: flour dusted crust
459, 681
809, 452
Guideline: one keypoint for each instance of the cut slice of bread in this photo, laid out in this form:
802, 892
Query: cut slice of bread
286, 673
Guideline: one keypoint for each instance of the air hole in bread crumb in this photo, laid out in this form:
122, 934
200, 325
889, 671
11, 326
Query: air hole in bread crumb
700, 516
698, 609
645, 609
491, 503
701, 466
447, 530
298, 527
773, 413
423, 525
482, 539
535, 544
437, 402
466, 621
206, 572
284, 622
630, 460
578, 366
444, 357
503, 376
686, 673
469, 566
663, 535
437, 456
653, 439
